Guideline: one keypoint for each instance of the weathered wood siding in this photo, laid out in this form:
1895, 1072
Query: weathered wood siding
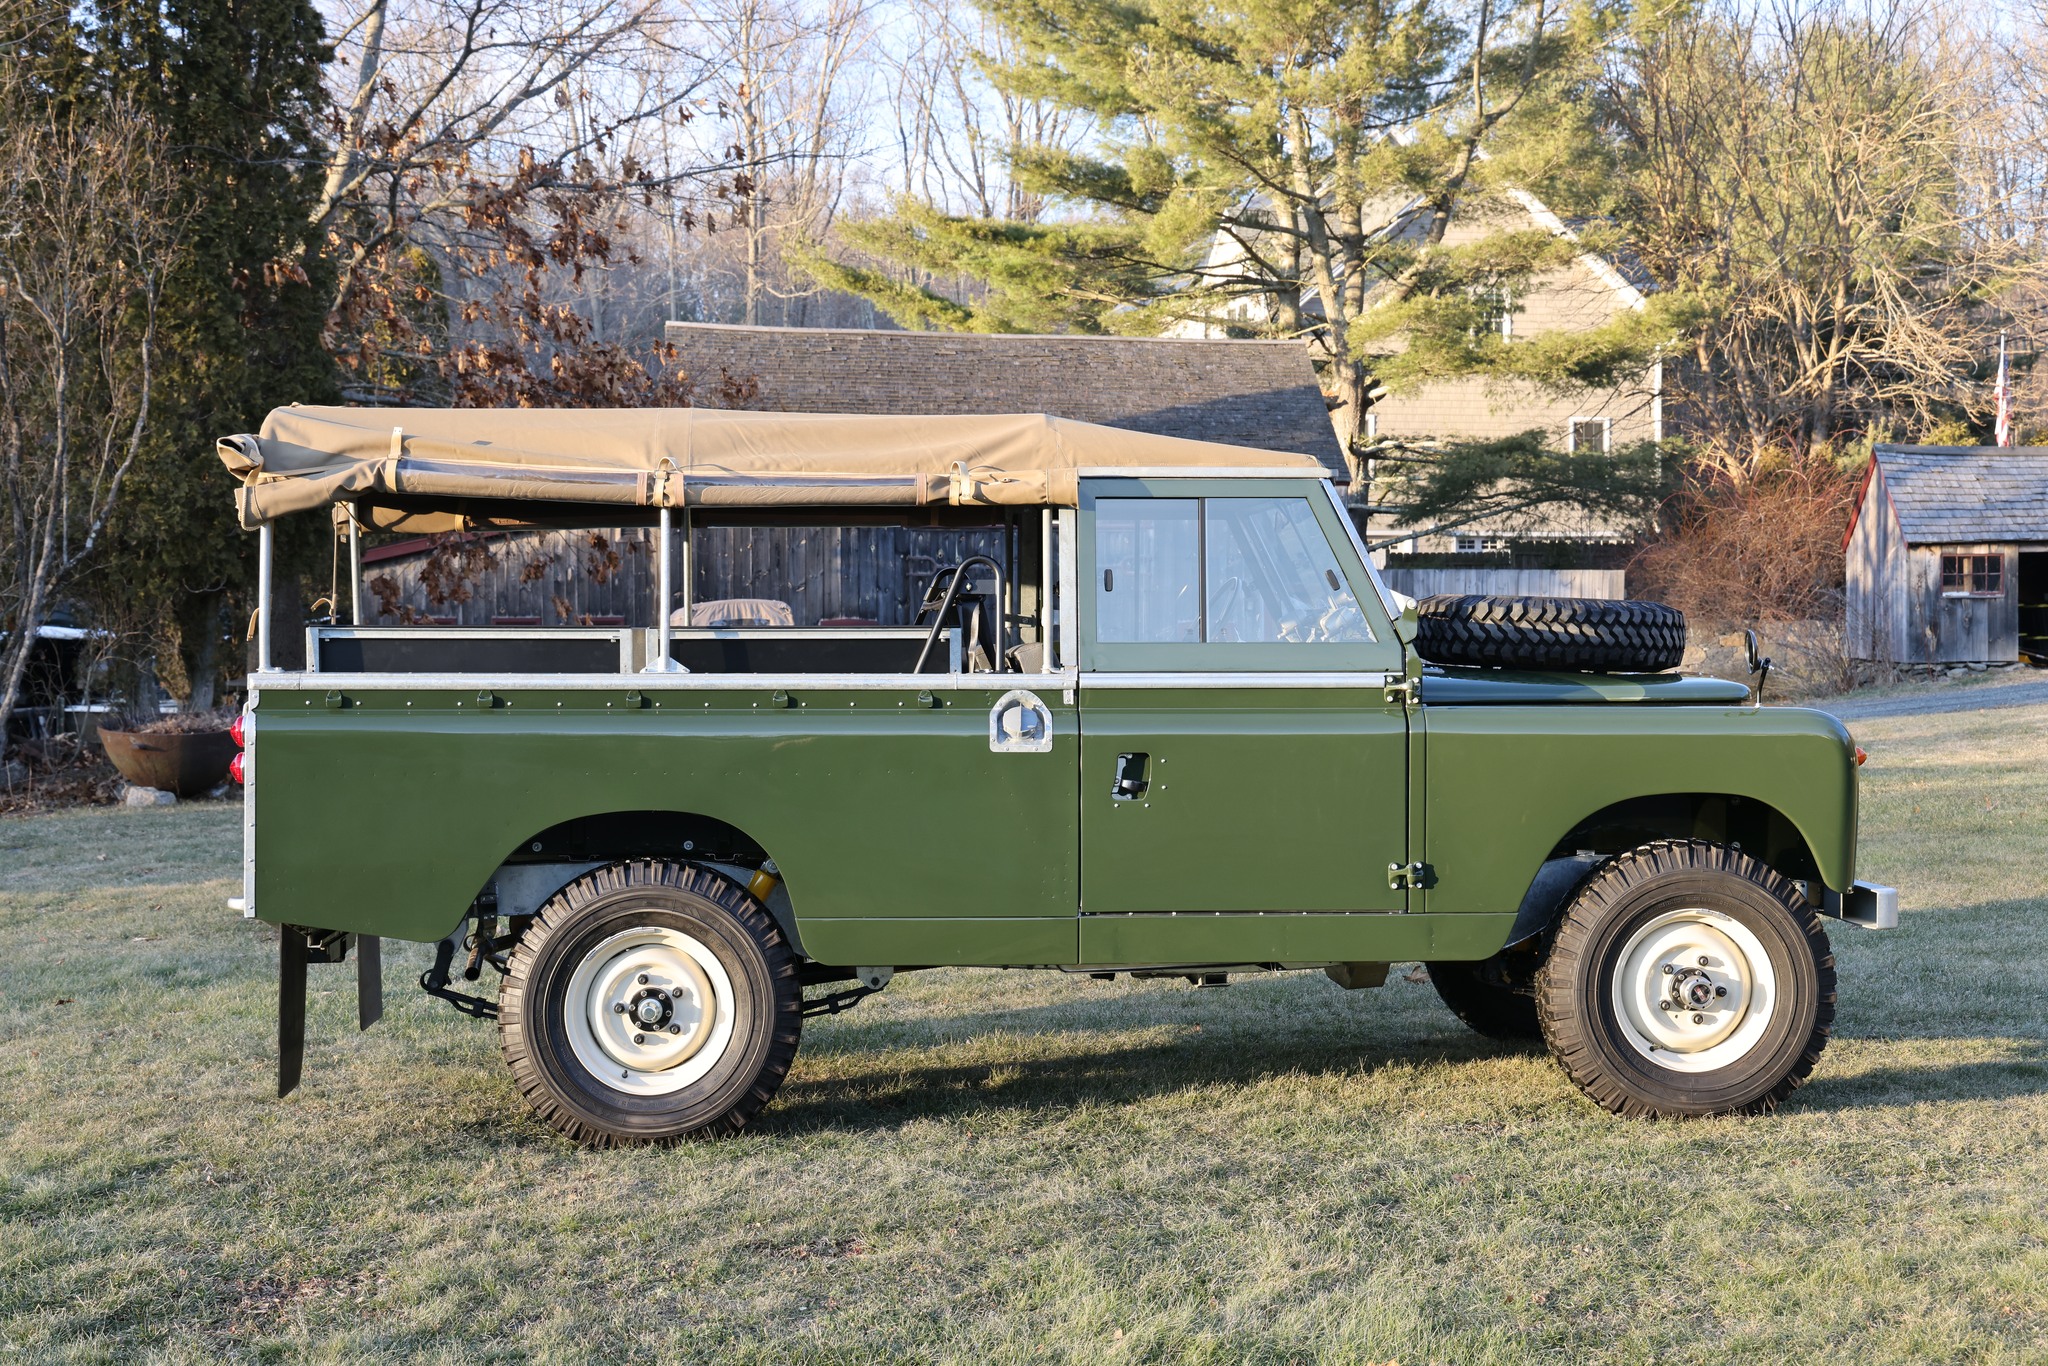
1961, 630
1895, 612
1876, 608
873, 573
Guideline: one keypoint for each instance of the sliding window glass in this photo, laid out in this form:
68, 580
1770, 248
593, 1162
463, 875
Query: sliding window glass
1225, 583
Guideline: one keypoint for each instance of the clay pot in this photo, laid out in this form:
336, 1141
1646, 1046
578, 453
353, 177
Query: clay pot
190, 765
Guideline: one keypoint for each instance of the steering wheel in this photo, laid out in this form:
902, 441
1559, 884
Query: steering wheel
1226, 599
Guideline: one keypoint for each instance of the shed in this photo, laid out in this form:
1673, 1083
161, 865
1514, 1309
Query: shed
1947, 556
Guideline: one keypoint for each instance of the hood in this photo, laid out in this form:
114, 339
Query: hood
1443, 685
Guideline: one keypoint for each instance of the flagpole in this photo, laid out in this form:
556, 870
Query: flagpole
2002, 429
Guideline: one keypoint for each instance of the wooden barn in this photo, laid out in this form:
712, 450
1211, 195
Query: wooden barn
1947, 556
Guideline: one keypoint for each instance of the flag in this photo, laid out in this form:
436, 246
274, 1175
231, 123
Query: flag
2004, 392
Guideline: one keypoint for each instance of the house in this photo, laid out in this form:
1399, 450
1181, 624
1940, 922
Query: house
1947, 556
1260, 394
1581, 555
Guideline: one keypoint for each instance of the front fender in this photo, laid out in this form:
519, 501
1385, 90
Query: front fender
1503, 786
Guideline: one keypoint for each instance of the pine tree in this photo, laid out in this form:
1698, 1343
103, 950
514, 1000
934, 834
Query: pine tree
1330, 142
238, 85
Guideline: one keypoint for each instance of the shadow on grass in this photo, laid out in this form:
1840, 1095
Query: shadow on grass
887, 1096
2020, 1074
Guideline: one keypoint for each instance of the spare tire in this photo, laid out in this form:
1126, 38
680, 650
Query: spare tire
1598, 635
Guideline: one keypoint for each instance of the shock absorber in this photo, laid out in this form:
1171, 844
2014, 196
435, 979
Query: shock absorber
765, 880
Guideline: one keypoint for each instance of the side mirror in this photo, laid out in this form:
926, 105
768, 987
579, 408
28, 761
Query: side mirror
1759, 663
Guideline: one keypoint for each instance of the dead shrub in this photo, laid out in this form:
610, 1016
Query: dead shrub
1760, 545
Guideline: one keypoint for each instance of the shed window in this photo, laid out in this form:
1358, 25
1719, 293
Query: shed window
1973, 576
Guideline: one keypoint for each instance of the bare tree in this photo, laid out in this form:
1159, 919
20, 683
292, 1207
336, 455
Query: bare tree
479, 145
1838, 186
788, 75
86, 240
956, 132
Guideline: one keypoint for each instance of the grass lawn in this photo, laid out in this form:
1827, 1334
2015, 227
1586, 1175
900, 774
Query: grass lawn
980, 1166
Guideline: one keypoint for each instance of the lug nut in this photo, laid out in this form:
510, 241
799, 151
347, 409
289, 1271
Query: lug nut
1699, 1019
1703, 963
1663, 1005
1720, 991
643, 976
618, 1007
639, 1038
1668, 969
675, 1029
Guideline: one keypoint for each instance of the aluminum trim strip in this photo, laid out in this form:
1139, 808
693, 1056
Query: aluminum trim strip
1358, 543
1093, 681
1321, 476
660, 683
249, 805
469, 632
1067, 601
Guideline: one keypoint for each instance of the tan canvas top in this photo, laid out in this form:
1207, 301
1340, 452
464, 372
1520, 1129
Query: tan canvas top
466, 459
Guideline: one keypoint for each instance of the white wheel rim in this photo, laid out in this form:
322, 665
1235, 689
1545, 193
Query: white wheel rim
1694, 990
677, 1019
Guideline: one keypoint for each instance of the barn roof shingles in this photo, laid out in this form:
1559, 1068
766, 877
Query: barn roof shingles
1260, 394
1953, 494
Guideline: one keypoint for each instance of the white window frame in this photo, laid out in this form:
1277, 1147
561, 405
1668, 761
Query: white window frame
1571, 433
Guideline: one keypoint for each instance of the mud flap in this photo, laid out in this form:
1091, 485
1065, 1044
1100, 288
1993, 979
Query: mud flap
298, 947
291, 1009
369, 980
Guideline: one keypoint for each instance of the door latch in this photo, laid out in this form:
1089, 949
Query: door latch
1410, 877
1130, 781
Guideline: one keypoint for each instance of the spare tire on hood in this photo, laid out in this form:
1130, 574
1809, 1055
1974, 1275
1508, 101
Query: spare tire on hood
1598, 635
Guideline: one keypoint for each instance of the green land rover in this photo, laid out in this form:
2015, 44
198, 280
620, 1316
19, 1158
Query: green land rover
1163, 720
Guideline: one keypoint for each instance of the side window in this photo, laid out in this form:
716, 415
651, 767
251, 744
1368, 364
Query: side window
1272, 576
1148, 566
1219, 571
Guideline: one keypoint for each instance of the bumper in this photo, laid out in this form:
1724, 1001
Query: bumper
1866, 904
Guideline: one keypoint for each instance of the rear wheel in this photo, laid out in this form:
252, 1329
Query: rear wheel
649, 1002
1687, 978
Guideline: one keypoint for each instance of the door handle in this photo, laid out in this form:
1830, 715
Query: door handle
1130, 781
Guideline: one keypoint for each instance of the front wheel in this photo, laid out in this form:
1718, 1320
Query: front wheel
1687, 978
649, 1002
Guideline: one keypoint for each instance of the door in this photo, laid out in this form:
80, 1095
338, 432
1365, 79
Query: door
1243, 774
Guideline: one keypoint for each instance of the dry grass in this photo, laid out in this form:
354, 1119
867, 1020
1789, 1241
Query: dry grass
981, 1166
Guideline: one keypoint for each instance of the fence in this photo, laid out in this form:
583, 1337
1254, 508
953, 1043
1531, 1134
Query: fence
1508, 583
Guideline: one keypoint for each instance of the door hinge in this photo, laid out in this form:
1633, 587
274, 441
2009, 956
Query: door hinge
1406, 693
1410, 877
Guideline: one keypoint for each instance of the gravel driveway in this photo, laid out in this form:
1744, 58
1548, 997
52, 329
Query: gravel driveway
2019, 689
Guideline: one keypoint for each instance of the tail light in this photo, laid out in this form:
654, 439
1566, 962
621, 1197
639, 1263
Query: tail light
235, 769
1862, 756
239, 731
